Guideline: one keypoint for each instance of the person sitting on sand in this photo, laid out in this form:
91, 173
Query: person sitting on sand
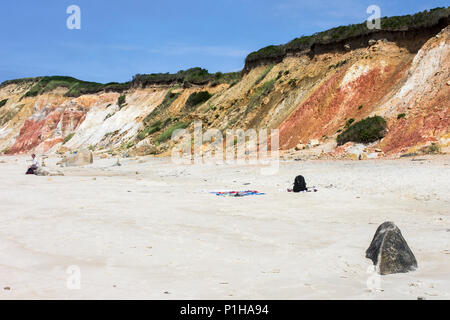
34, 165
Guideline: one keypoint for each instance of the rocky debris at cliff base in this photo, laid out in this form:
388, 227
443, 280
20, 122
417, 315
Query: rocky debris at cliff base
389, 251
313, 143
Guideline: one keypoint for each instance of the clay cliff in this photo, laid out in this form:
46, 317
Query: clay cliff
312, 90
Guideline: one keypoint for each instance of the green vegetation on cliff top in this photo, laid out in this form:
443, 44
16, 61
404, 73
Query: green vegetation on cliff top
199, 76
397, 23
76, 88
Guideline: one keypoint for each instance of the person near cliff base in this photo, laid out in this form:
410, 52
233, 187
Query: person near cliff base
34, 165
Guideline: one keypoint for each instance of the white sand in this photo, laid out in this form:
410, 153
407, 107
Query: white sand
141, 235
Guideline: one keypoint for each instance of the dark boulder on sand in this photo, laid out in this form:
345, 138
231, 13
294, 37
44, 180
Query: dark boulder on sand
389, 250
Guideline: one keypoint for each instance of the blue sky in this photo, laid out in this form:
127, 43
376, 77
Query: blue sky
118, 39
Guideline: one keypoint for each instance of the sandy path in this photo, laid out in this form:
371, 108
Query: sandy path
158, 234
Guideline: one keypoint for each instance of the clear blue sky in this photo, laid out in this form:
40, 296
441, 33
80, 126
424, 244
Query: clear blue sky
121, 38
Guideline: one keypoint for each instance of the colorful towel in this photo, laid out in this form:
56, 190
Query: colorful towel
238, 193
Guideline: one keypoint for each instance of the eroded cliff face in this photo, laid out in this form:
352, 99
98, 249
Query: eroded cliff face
424, 98
304, 97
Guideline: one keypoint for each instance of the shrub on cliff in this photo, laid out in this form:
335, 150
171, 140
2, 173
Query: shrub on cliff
66, 139
365, 131
150, 129
197, 98
166, 135
121, 101
432, 149
259, 93
3, 102
75, 87
349, 122
263, 74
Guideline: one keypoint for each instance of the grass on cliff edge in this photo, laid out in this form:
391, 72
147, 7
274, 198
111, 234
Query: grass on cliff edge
365, 131
76, 87
198, 76
397, 23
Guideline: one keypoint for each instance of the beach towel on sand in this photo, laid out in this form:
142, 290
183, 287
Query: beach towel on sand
237, 193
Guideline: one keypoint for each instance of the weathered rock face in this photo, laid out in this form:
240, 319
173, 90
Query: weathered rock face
306, 97
389, 251
424, 98
80, 158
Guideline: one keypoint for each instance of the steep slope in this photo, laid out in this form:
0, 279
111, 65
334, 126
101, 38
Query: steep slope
312, 93
424, 98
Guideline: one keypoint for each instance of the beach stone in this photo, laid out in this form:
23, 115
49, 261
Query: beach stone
314, 142
43, 172
80, 158
389, 251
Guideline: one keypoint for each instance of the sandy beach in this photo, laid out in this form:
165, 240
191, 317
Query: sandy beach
149, 229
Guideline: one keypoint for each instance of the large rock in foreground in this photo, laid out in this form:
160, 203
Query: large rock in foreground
80, 158
389, 250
